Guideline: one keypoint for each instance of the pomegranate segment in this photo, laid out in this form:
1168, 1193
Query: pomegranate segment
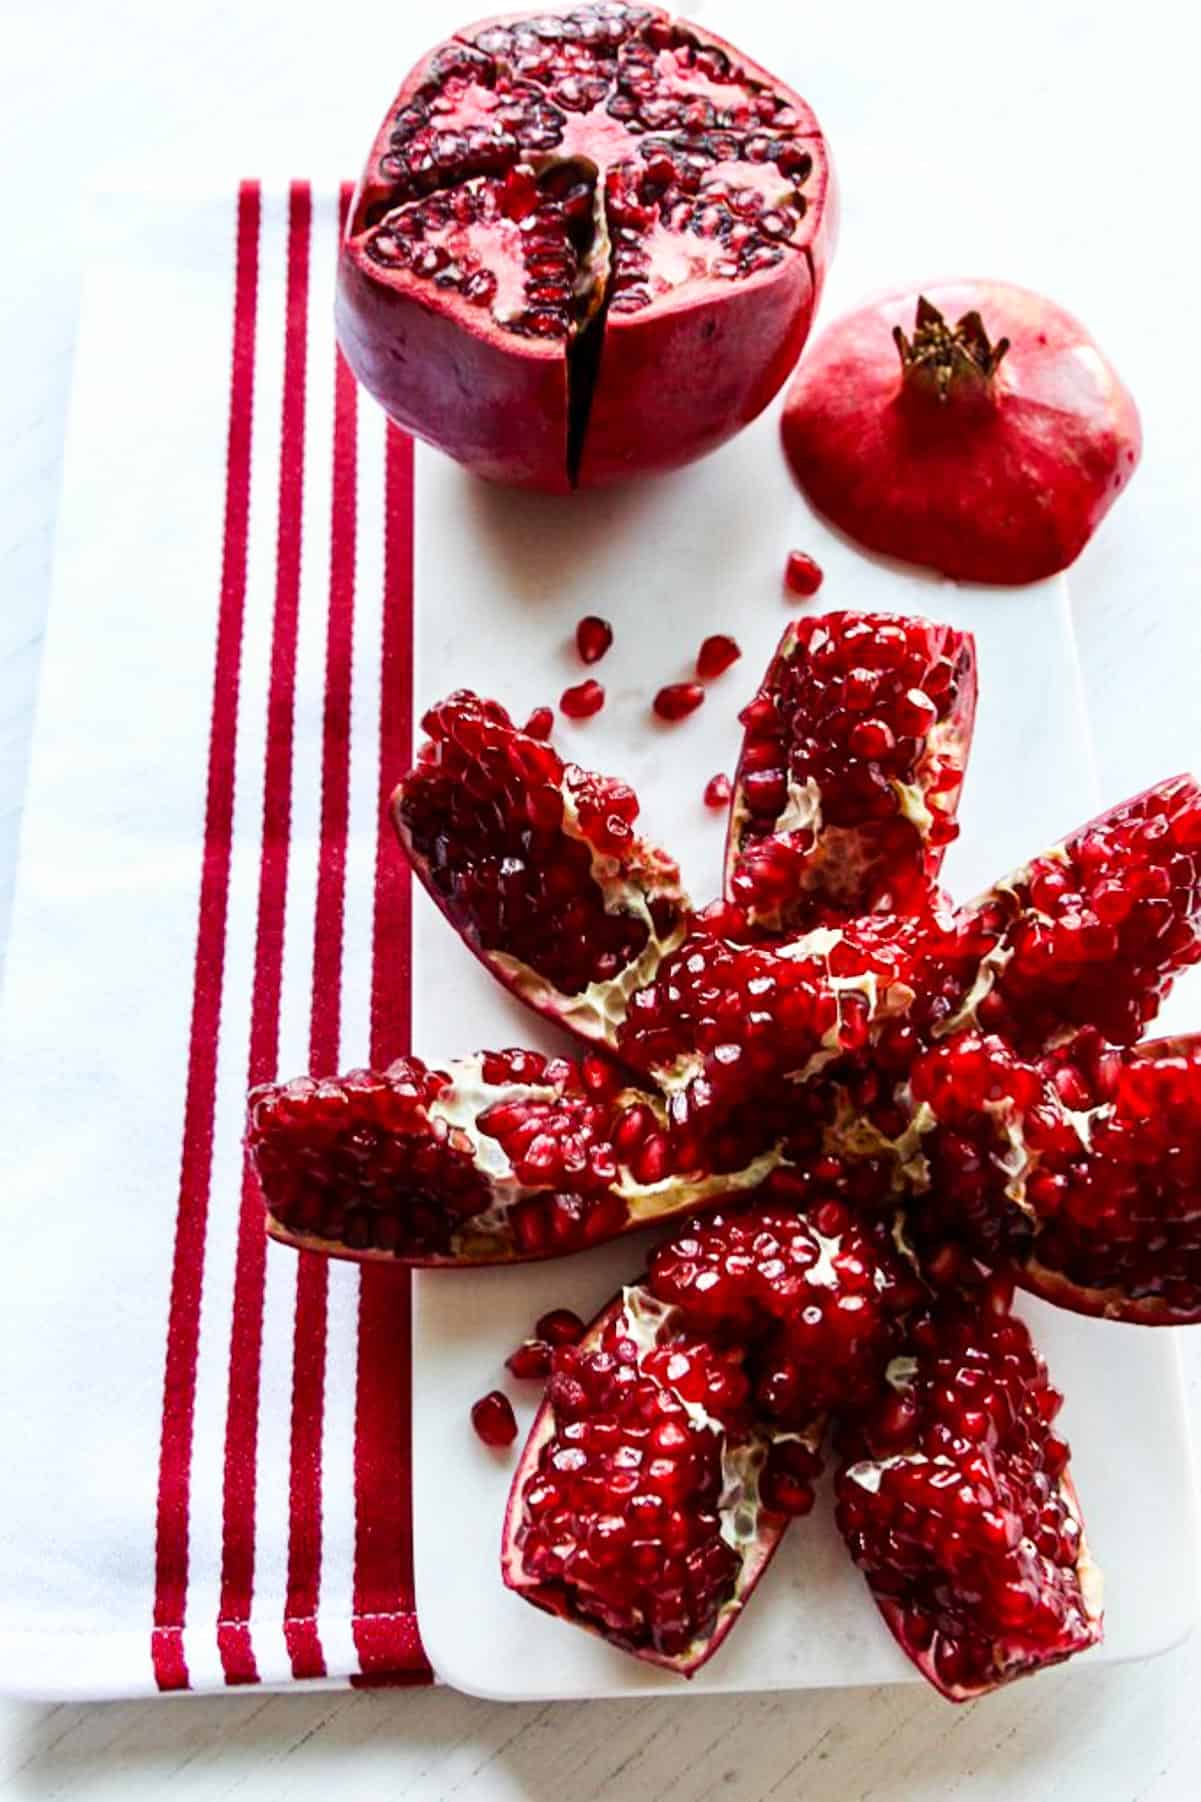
851, 770
637, 1510
991, 450
537, 865
1090, 933
1083, 1175
585, 245
955, 1501
508, 1155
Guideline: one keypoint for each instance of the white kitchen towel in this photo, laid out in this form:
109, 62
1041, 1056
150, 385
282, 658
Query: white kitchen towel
206, 1444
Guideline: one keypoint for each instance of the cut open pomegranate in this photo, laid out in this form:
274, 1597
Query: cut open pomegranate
502, 1156
991, 450
852, 765
537, 866
955, 1500
585, 245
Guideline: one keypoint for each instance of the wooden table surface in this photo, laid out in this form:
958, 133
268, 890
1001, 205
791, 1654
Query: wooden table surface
1048, 140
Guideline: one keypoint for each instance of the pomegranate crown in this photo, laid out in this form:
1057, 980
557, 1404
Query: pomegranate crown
941, 359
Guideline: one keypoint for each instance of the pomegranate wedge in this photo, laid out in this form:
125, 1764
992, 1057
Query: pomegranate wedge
1083, 1175
851, 769
508, 1155
537, 866
586, 245
955, 1501
1090, 933
638, 1509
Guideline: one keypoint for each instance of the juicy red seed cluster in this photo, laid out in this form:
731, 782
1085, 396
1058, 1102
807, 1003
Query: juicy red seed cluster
483, 809
593, 636
447, 238
721, 1020
582, 701
572, 55
678, 700
726, 233
715, 656
665, 79
802, 575
811, 1296
1092, 934
360, 1160
951, 1500
844, 724
447, 132
620, 1520
493, 1419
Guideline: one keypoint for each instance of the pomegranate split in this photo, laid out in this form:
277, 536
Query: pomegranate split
586, 245
990, 448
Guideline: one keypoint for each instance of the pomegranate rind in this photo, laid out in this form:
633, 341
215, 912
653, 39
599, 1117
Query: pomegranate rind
556, 1599
846, 871
1007, 489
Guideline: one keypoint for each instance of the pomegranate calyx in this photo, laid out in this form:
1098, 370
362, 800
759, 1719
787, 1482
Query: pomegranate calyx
942, 361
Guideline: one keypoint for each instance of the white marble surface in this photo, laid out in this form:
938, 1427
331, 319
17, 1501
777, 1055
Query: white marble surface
1052, 141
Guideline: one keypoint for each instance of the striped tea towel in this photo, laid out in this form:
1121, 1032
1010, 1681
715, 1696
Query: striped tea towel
207, 1442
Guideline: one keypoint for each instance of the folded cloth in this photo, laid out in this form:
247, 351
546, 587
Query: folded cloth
207, 1437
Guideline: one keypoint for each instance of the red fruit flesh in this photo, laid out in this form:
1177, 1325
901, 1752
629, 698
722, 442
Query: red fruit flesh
1084, 1176
541, 723
537, 865
801, 574
593, 636
560, 1327
585, 245
636, 1509
716, 655
678, 700
717, 791
506, 1156
493, 1419
990, 462
582, 701
1092, 932
955, 1501
851, 769
530, 1361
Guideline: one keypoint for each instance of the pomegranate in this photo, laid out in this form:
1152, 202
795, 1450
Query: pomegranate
506, 1155
955, 1501
582, 701
1092, 932
561, 1326
537, 866
585, 245
991, 450
802, 575
493, 1419
716, 655
718, 790
593, 636
851, 769
1083, 1175
639, 1508
678, 700
530, 1360
541, 723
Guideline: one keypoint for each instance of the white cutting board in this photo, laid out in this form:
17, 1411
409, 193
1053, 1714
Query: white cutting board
502, 579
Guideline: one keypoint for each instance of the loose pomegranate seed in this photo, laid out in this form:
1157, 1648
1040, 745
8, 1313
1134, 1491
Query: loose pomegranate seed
593, 636
493, 1419
582, 701
540, 723
801, 574
717, 791
560, 1327
530, 1360
716, 654
678, 699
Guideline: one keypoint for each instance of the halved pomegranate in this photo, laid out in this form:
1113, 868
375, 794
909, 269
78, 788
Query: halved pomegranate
851, 769
1091, 932
955, 1500
585, 245
537, 866
1083, 1176
504, 1156
993, 448
638, 1509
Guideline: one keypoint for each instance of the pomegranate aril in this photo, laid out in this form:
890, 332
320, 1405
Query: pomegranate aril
582, 701
716, 655
801, 574
717, 791
541, 723
560, 1327
678, 700
593, 636
530, 1360
493, 1419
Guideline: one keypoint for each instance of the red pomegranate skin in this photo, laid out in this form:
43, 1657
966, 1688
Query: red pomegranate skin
676, 378
1004, 487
